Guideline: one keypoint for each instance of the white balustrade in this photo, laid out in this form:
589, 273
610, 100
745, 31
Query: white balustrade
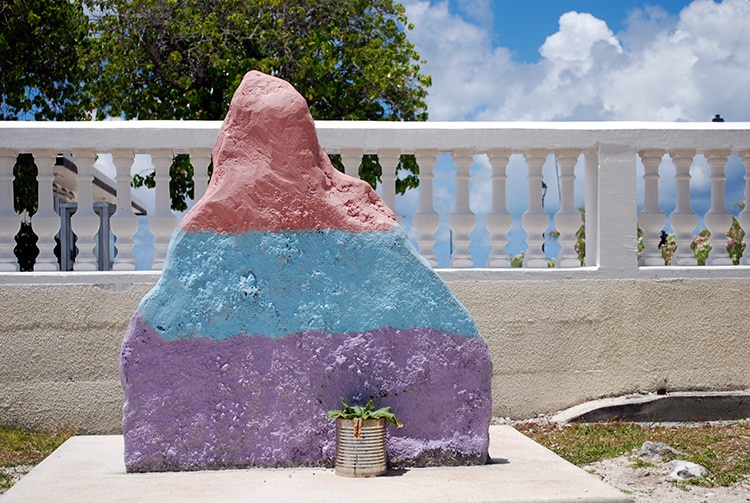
351, 158
46, 223
461, 218
123, 223
609, 150
718, 220
426, 220
389, 159
10, 221
535, 220
162, 222
683, 219
651, 218
567, 219
200, 160
744, 216
85, 222
499, 220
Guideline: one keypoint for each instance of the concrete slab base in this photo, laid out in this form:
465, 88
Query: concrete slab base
91, 468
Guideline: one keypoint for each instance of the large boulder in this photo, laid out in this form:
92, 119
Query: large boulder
287, 287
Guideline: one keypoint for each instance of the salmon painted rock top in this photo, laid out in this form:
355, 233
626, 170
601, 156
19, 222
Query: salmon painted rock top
271, 174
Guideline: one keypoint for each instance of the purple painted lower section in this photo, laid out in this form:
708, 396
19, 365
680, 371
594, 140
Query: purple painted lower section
255, 401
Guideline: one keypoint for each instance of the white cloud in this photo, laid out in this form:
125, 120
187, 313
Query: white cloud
459, 55
578, 34
660, 67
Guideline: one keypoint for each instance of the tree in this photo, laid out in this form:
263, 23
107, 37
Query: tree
176, 59
41, 47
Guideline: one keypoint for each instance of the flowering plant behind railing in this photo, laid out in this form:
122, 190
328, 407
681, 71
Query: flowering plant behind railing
735, 244
701, 246
668, 248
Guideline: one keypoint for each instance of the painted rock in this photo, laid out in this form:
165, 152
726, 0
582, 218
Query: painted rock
287, 287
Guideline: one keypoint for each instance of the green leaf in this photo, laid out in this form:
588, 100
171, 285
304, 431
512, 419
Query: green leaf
365, 412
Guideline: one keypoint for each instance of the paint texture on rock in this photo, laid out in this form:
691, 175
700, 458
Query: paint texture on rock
269, 311
271, 174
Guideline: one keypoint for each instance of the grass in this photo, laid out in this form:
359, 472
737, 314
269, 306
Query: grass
21, 448
723, 449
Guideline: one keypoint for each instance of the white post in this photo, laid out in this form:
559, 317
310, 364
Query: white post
461, 219
200, 160
535, 220
499, 219
163, 221
651, 218
85, 222
123, 223
426, 220
351, 158
744, 216
10, 221
617, 224
683, 219
389, 159
46, 223
718, 219
591, 207
567, 219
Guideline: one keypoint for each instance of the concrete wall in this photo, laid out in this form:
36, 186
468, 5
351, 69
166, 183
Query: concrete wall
554, 342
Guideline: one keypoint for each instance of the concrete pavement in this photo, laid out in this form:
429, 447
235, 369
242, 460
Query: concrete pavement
91, 469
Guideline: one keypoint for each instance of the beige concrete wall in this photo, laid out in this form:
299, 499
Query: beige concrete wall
554, 343
59, 354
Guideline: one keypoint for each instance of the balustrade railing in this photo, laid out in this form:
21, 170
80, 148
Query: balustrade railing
490, 195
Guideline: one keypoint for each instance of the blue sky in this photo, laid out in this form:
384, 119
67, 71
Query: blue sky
663, 60
523, 26
599, 60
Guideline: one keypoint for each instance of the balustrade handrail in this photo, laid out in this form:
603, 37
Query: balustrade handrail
604, 155
371, 136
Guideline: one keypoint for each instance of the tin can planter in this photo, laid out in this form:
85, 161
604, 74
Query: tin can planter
360, 447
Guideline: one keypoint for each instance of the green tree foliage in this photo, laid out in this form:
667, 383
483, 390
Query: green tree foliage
42, 43
179, 59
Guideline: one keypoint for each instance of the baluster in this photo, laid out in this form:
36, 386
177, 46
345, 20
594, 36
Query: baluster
499, 219
426, 220
351, 158
567, 219
389, 159
535, 220
10, 221
461, 219
718, 219
123, 223
162, 222
85, 222
46, 223
683, 219
651, 218
744, 216
200, 159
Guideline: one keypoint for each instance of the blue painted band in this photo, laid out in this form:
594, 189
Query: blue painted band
275, 284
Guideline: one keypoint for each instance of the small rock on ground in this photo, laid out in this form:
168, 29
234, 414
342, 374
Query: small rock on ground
650, 484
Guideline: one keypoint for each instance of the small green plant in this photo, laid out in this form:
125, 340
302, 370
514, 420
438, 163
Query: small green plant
364, 412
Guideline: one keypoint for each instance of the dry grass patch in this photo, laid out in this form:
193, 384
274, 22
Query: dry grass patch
722, 448
20, 448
